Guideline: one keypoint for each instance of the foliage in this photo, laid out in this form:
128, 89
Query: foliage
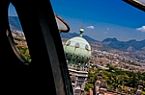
24, 52
117, 79
88, 86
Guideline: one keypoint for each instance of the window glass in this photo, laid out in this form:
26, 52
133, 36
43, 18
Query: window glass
87, 47
17, 36
110, 40
68, 43
77, 45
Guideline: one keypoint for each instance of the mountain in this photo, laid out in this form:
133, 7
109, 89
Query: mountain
15, 25
70, 35
130, 45
108, 43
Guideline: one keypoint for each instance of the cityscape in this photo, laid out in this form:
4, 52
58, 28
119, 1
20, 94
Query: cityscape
104, 49
105, 70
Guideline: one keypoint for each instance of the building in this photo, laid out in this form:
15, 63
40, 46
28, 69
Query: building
78, 53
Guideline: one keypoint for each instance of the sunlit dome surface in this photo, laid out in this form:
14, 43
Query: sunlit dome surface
77, 48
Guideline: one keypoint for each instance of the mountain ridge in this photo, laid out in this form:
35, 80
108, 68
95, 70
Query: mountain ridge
73, 34
113, 43
124, 45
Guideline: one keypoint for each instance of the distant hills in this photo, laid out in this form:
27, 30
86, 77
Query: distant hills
130, 45
114, 43
15, 25
70, 35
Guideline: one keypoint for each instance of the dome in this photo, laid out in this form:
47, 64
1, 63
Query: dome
77, 49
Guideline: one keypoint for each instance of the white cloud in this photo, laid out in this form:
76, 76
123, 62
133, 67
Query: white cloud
141, 29
91, 27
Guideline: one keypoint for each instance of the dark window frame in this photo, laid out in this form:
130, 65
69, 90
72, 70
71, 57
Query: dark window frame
47, 72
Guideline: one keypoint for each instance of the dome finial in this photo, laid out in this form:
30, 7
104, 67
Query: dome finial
81, 32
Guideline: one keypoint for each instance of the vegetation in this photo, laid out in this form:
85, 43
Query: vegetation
117, 79
24, 52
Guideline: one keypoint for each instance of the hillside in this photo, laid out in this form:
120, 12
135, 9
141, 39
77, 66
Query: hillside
131, 45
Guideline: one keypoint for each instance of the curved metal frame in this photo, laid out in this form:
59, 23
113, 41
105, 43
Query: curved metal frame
135, 4
48, 72
68, 28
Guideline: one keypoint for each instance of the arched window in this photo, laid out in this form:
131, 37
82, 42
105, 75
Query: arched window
87, 47
68, 43
77, 45
17, 37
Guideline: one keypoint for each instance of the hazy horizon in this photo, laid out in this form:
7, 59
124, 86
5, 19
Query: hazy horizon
103, 19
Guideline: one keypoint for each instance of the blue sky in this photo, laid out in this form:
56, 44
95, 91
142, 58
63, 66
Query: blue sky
101, 18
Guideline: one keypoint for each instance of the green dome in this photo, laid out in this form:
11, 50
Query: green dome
77, 49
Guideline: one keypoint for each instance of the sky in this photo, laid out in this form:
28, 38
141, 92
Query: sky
101, 18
